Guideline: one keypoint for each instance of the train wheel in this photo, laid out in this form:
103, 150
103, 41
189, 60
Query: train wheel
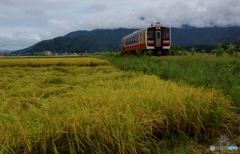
134, 52
165, 52
158, 53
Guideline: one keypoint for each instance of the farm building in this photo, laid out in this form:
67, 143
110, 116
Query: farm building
47, 53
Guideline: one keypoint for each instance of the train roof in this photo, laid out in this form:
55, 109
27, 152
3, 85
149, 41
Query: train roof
144, 29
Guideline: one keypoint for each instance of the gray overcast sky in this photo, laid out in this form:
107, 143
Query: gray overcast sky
26, 22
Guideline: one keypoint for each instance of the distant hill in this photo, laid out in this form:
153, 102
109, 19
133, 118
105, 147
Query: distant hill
205, 36
100, 40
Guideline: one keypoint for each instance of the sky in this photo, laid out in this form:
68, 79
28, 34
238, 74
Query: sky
26, 22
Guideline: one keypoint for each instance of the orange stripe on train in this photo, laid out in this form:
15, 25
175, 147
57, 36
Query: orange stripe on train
150, 42
166, 42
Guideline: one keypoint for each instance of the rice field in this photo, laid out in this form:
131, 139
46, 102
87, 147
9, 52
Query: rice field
45, 62
86, 105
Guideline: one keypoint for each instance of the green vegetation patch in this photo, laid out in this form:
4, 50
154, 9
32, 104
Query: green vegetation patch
101, 109
201, 70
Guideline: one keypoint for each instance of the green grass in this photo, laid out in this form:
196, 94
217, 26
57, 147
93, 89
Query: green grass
76, 108
201, 70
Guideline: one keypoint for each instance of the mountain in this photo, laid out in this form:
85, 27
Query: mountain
110, 39
205, 36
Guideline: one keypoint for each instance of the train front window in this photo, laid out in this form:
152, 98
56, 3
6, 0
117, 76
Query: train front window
166, 34
150, 34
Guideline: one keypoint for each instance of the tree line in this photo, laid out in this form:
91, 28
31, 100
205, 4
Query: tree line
232, 49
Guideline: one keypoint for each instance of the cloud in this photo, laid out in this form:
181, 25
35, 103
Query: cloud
142, 18
37, 12
109, 20
197, 14
6, 2
98, 7
18, 40
51, 18
21, 38
60, 25
223, 13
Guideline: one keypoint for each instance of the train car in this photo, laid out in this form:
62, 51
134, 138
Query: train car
155, 38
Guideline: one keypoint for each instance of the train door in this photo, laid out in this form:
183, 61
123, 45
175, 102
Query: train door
158, 41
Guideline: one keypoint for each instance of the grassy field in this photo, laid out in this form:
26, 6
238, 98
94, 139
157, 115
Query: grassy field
86, 105
201, 70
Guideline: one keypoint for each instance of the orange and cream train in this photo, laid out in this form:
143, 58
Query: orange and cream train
154, 38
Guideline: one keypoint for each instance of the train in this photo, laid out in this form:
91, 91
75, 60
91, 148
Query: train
155, 38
